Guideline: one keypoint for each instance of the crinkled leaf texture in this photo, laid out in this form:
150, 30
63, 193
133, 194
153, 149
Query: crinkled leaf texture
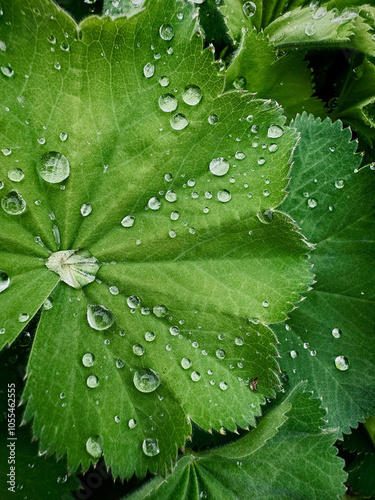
200, 264
286, 456
329, 340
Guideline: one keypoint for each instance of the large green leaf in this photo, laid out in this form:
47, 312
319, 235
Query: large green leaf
286, 456
194, 265
329, 340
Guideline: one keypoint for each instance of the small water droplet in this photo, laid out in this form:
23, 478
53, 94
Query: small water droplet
175, 215
146, 380
265, 303
179, 121
41, 140
133, 301
224, 195
94, 446
164, 81
186, 363
88, 359
119, 364
275, 131
22, 318
86, 209
220, 353
195, 376
4, 281
7, 71
6, 151
160, 311
223, 386
192, 95
13, 203
240, 155
166, 32
53, 167
239, 83
132, 423
336, 333
170, 196
312, 202
128, 221
339, 184
213, 119
92, 381
138, 349
168, 103
16, 175
249, 9
154, 203
341, 363
51, 39
149, 70
174, 330
293, 354
319, 12
219, 166
3, 46
57, 65
310, 29
99, 317
149, 336
239, 341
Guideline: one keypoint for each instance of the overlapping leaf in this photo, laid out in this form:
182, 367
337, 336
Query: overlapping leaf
193, 264
286, 456
330, 340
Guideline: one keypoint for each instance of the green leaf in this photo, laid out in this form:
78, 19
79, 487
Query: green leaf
272, 76
361, 475
334, 205
126, 8
286, 456
194, 265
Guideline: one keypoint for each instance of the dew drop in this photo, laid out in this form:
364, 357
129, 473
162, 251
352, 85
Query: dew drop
133, 301
86, 209
53, 167
168, 103
146, 380
223, 386
22, 318
293, 354
186, 363
170, 196
94, 446
312, 202
310, 29
265, 303
16, 175
213, 119
149, 336
319, 13
113, 290
88, 359
272, 148
13, 203
179, 121
128, 221
219, 166
132, 423
119, 364
117, 419
174, 330
175, 215
149, 70
164, 81
166, 32
3, 46
239, 83
239, 155
6, 151
339, 184
99, 317
341, 363
150, 447
4, 281
154, 203
92, 381
7, 71
138, 349
160, 311
195, 376
239, 341
63, 136
249, 9
336, 333
224, 195
192, 95
275, 131
220, 353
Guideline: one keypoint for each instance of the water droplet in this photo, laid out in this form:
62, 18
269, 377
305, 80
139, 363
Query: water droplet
319, 13
119, 364
175, 215
53, 167
22, 318
146, 380
265, 303
275, 131
133, 301
186, 363
336, 333
6, 151
239, 155
195, 345
3, 46
223, 386
179, 121
213, 119
62, 479
272, 148
293, 354
113, 290
195, 376
174, 330
41, 140
249, 9
164, 81
192, 95
117, 419
220, 353
219, 166
99, 317
92, 381
312, 202
239, 341
154, 203
168, 103
7, 71
138, 349
132, 423
65, 47
88, 359
86, 209
51, 39
94, 446
16, 175
13, 203
128, 221
149, 70
341, 363
149, 336
339, 184
170, 196
239, 83
57, 65
310, 29
160, 311
266, 192
166, 32
4, 281
224, 195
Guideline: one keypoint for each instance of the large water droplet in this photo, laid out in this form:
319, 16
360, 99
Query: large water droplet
336, 333
76, 268
170, 196
249, 9
23, 317
223, 386
319, 13
195, 376
53, 167
160, 311
149, 70
138, 349
179, 121
133, 301
192, 95
146, 380
310, 29
213, 119
224, 195
92, 381
293, 354
16, 175
154, 203
13, 203
128, 221
149, 336
4, 281
186, 363
168, 103
150, 447
312, 202
341, 363
94, 446
275, 131
88, 359
99, 317
219, 166
166, 32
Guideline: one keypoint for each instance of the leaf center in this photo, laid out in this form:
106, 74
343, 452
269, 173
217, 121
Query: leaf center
76, 268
